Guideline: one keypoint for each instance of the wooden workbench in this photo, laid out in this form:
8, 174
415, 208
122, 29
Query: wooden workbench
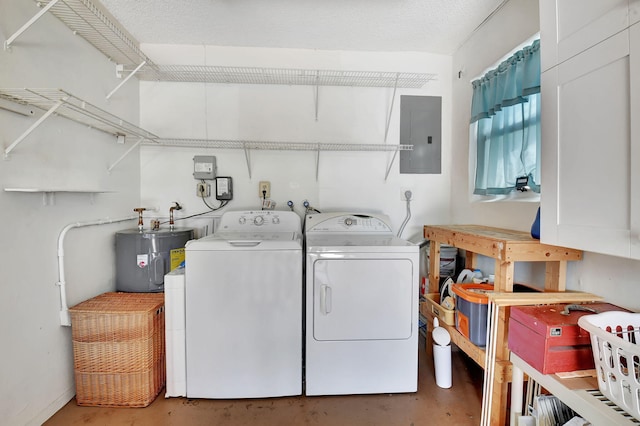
506, 247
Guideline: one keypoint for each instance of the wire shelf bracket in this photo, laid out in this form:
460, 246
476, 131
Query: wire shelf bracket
34, 126
122, 157
386, 129
123, 82
27, 25
247, 156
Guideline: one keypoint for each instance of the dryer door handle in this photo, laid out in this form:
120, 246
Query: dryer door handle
325, 299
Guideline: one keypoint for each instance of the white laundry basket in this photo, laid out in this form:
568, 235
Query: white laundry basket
615, 340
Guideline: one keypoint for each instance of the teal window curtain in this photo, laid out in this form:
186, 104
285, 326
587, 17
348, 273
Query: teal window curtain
505, 120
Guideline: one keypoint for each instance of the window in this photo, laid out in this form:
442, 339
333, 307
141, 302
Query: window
505, 125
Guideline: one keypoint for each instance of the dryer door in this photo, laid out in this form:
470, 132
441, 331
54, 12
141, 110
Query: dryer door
362, 299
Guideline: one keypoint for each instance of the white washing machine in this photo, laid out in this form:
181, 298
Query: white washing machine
244, 307
361, 306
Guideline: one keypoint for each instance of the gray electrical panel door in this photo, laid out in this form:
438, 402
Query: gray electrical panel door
420, 126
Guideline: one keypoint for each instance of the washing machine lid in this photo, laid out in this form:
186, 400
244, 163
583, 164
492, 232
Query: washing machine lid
343, 243
247, 241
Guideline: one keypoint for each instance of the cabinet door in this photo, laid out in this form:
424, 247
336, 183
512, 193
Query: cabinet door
634, 11
568, 27
634, 93
586, 150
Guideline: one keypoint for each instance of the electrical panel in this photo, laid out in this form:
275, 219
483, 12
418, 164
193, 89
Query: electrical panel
420, 126
204, 167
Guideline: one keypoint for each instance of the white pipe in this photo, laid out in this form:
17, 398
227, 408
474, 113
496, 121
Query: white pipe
65, 319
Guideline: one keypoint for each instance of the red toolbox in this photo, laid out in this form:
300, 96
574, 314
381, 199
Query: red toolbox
550, 341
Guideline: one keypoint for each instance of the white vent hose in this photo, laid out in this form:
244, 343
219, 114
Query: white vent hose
407, 195
65, 318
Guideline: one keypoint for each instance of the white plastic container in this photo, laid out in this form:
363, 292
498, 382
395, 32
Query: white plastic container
441, 355
615, 340
176, 364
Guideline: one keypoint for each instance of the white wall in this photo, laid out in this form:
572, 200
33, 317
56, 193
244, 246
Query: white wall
346, 180
616, 279
37, 365
516, 22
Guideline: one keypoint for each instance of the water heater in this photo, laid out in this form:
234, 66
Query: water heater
144, 257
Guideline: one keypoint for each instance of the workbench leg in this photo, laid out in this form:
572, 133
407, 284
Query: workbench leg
504, 272
500, 382
470, 260
555, 278
517, 382
499, 403
434, 267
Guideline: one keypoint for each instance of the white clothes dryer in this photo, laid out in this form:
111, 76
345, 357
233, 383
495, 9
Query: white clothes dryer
244, 307
361, 306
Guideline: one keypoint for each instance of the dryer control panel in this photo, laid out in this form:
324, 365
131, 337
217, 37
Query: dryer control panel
348, 223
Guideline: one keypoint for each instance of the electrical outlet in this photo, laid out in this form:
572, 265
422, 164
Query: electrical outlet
404, 192
264, 189
203, 190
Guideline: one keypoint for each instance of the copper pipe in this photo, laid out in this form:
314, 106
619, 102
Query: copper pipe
176, 207
139, 210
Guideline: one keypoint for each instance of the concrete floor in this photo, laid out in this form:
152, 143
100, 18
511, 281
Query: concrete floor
431, 405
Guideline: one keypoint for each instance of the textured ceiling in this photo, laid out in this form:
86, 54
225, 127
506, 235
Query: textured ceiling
436, 26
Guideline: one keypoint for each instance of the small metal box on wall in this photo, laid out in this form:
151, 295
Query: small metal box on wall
421, 126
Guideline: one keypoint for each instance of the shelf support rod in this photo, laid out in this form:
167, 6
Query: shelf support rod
395, 153
317, 96
317, 161
386, 129
125, 154
26, 26
126, 79
247, 157
393, 98
32, 128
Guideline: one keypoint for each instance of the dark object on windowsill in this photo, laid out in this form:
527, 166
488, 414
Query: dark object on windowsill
522, 183
535, 228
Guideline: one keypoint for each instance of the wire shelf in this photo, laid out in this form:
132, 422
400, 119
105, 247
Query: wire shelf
283, 76
101, 30
93, 23
75, 109
274, 146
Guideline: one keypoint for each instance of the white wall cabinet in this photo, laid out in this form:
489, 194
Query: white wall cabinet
634, 11
569, 27
590, 196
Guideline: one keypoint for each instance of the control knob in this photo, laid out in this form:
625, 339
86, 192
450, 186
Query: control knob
348, 221
242, 220
258, 220
276, 220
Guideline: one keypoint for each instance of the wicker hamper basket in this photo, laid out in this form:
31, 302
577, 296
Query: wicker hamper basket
119, 349
615, 340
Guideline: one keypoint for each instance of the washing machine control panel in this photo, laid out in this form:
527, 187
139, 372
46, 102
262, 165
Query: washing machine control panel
277, 221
